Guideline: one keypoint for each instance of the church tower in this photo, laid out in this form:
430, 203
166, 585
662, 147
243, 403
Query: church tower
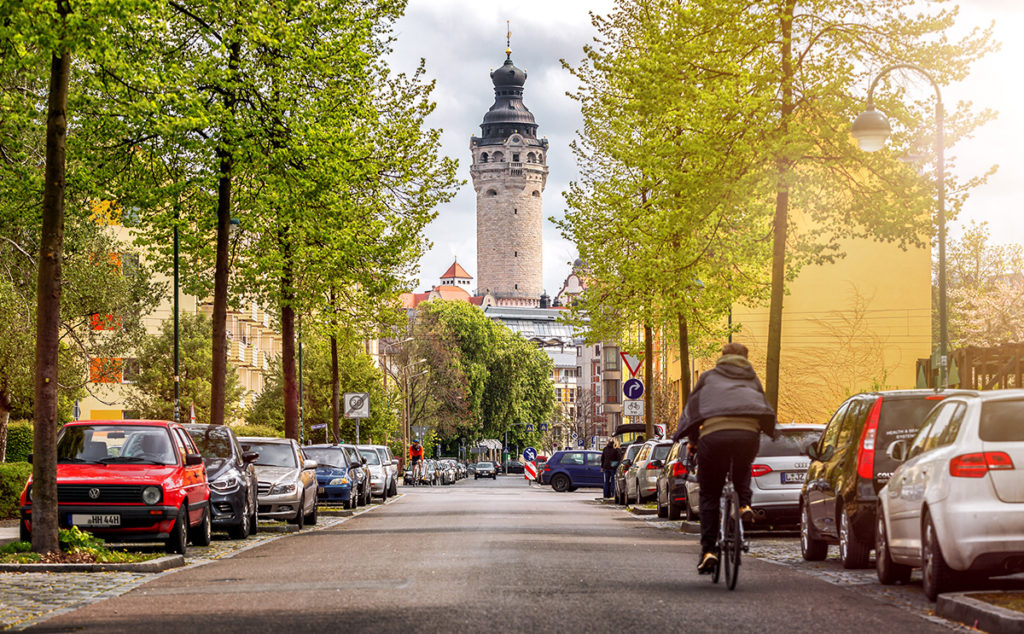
509, 173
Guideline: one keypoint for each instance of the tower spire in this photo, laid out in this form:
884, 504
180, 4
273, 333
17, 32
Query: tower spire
508, 39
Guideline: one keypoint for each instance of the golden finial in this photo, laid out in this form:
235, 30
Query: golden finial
508, 38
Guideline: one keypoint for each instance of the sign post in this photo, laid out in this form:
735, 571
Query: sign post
357, 406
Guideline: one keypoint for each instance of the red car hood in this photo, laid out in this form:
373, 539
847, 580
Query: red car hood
115, 473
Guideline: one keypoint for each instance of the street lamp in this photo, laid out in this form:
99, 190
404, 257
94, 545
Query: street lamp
871, 129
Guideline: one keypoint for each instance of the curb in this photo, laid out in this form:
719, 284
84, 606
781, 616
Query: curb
692, 528
639, 511
154, 565
279, 528
336, 513
959, 606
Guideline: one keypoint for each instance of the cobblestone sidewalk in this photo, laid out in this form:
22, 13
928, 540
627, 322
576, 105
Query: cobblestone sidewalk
28, 598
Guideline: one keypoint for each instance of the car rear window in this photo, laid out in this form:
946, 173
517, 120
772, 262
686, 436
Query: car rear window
791, 442
660, 452
1002, 421
900, 419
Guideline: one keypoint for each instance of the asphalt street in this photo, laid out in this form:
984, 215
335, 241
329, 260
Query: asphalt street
486, 556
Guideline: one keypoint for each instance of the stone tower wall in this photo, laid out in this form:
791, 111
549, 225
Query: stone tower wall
510, 221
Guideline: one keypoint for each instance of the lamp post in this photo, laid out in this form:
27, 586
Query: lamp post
871, 129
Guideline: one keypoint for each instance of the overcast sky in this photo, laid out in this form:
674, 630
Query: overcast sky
463, 40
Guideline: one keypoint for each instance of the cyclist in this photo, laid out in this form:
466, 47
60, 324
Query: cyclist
723, 417
415, 459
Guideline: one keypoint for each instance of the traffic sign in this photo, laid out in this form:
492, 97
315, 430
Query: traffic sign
633, 388
574, 435
530, 454
579, 443
420, 430
659, 431
529, 427
632, 363
633, 408
543, 426
320, 426
529, 471
357, 405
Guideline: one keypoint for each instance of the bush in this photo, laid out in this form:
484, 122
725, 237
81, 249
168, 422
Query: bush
13, 476
258, 430
19, 440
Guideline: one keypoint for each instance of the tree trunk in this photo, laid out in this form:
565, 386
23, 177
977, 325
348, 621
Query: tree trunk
5, 417
291, 390
218, 382
781, 222
649, 380
44, 463
335, 390
684, 362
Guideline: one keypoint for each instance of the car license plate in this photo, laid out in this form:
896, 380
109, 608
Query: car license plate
793, 477
96, 520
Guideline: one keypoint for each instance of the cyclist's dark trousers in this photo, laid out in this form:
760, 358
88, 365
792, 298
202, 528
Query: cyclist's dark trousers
713, 454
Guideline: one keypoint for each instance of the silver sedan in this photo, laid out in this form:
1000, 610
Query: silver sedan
955, 507
287, 480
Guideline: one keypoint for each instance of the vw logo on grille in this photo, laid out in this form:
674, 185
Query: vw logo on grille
94, 493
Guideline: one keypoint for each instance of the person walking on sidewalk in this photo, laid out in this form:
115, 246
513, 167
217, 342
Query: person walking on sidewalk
722, 420
610, 457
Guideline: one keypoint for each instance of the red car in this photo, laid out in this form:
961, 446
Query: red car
129, 480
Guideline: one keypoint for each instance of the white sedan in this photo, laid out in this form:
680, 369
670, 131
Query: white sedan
955, 507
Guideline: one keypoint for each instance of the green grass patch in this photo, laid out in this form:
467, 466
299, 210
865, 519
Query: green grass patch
77, 546
1009, 600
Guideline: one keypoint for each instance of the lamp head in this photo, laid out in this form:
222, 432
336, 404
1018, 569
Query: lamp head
871, 129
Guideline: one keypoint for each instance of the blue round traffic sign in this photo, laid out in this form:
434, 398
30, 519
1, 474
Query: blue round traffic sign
633, 389
530, 454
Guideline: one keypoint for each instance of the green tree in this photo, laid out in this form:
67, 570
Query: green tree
152, 394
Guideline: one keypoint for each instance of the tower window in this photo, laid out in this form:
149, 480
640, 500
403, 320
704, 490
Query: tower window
536, 193
515, 254
515, 211
483, 157
515, 158
517, 287
491, 193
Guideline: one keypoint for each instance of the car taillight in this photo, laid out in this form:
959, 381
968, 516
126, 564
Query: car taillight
759, 470
866, 453
678, 470
651, 465
547, 468
976, 465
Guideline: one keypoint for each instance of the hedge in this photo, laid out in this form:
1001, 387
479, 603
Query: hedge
13, 476
19, 440
265, 431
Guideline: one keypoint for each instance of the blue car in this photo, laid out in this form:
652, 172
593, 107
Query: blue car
334, 475
570, 470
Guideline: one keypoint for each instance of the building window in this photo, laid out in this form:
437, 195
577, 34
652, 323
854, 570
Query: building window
105, 370
515, 158
611, 358
611, 391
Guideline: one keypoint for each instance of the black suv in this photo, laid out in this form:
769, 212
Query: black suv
672, 492
850, 464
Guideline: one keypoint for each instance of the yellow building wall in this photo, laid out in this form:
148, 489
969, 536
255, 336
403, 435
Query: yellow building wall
857, 324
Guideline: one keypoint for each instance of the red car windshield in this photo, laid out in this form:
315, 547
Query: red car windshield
109, 444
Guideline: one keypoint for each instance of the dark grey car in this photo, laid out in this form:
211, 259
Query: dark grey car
232, 478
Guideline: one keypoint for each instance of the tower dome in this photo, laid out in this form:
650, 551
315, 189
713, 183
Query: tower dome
509, 74
508, 115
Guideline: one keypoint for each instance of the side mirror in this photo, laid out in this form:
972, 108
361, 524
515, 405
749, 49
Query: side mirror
249, 457
193, 459
812, 452
309, 464
627, 462
394, 462
897, 451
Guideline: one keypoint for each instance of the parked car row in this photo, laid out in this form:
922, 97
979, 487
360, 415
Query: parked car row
437, 472
146, 481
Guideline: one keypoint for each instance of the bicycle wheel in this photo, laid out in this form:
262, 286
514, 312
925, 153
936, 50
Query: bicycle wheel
732, 546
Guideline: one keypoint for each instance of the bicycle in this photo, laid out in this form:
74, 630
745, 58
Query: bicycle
731, 541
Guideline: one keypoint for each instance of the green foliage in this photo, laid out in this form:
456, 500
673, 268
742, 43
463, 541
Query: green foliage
495, 378
73, 541
262, 431
19, 440
357, 373
13, 476
152, 394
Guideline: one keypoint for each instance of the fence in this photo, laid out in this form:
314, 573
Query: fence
978, 368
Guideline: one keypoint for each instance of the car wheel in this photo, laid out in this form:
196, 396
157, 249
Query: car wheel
560, 483
254, 526
889, 572
852, 552
672, 511
242, 528
24, 534
300, 516
201, 535
936, 574
811, 547
662, 511
177, 541
311, 519
394, 488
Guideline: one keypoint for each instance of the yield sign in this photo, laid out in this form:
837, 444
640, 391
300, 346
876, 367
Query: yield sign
632, 363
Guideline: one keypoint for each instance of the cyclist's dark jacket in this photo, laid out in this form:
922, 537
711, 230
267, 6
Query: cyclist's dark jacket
730, 389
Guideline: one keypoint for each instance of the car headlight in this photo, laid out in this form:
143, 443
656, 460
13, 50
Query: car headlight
151, 495
225, 485
282, 488
338, 482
